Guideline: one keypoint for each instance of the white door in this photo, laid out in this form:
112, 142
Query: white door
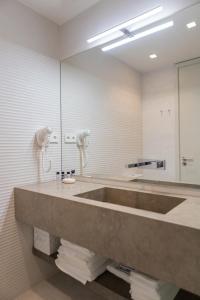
189, 96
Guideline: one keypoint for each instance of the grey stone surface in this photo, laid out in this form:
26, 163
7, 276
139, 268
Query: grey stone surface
145, 201
166, 246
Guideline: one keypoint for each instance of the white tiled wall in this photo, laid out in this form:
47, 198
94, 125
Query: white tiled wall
104, 95
29, 99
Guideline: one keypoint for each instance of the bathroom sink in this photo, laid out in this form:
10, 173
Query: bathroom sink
145, 201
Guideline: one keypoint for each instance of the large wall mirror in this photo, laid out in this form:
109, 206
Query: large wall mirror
133, 110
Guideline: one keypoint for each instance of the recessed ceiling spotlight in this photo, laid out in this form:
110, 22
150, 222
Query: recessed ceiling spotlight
191, 25
153, 56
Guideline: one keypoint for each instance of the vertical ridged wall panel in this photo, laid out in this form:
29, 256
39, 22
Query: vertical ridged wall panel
29, 99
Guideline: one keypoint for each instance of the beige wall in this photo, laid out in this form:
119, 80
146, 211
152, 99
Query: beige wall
104, 95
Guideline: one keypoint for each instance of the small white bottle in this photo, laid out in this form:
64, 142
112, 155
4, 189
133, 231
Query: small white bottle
62, 175
57, 176
68, 175
73, 172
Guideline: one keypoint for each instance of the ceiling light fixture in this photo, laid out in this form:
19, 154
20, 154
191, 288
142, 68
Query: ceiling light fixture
139, 36
191, 25
153, 56
126, 24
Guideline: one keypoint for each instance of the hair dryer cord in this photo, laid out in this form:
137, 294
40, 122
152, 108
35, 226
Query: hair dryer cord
43, 162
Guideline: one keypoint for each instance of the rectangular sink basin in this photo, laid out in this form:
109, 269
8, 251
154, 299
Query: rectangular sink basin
145, 201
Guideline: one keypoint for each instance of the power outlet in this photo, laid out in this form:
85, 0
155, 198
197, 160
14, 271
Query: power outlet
54, 138
70, 138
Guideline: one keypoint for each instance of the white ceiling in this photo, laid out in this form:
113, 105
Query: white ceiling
59, 11
173, 45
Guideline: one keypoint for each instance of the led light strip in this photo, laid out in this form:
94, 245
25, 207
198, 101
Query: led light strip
139, 36
126, 24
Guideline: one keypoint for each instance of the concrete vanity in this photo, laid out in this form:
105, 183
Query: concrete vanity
153, 228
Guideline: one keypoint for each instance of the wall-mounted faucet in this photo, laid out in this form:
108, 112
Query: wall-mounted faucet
148, 164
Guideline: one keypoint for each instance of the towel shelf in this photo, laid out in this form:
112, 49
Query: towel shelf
48, 258
110, 286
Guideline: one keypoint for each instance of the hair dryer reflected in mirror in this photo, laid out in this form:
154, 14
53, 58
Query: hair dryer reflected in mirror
82, 143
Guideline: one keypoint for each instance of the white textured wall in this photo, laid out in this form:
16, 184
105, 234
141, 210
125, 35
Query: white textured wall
160, 121
104, 95
29, 98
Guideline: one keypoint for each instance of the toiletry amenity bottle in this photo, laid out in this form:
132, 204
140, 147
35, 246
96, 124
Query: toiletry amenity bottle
73, 173
62, 175
57, 176
68, 174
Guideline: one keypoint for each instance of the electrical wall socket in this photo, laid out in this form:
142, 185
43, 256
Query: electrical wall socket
70, 138
54, 138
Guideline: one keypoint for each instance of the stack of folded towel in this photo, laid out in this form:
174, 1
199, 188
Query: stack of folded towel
147, 288
80, 263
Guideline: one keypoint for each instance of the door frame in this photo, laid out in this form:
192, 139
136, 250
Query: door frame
180, 65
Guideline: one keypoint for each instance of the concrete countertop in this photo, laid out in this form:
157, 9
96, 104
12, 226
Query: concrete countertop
166, 246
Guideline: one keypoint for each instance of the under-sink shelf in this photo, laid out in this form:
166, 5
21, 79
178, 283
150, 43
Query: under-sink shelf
110, 286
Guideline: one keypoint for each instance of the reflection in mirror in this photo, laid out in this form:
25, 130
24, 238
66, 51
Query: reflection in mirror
137, 104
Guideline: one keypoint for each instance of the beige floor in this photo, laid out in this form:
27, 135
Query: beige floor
62, 287
59, 287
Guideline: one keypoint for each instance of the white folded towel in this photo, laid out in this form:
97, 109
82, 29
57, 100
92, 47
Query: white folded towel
84, 271
77, 249
80, 263
91, 265
72, 273
148, 288
155, 292
80, 274
136, 277
80, 256
169, 294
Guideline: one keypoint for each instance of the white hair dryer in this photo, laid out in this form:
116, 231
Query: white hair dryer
43, 138
82, 143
